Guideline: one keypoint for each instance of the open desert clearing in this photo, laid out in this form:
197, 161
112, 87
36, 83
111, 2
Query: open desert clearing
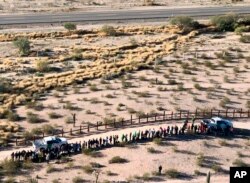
21, 6
106, 73
203, 72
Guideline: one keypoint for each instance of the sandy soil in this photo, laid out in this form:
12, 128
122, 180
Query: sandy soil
113, 100
24, 6
186, 79
140, 161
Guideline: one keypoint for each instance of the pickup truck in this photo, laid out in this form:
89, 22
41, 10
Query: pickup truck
49, 142
218, 124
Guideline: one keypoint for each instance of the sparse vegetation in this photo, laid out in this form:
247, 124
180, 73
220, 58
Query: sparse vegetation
23, 45
118, 159
69, 26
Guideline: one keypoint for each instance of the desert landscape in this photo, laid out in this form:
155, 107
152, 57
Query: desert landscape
102, 73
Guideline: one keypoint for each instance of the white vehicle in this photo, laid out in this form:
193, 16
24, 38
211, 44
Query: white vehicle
218, 124
49, 142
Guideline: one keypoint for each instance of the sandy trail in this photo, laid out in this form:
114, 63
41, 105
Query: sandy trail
244, 124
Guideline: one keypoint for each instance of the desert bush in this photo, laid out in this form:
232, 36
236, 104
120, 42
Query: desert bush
158, 141
34, 105
48, 129
209, 65
225, 22
197, 86
216, 168
12, 116
55, 181
172, 82
226, 79
248, 104
241, 29
51, 169
240, 163
245, 39
78, 180
223, 143
172, 173
88, 169
200, 160
152, 150
96, 165
197, 172
23, 45
117, 159
184, 22
131, 110
69, 120
108, 30
33, 118
5, 85
133, 41
92, 153
224, 102
69, 26
93, 88
42, 66
54, 115
10, 167
236, 69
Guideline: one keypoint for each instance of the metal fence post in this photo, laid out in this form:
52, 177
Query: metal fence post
80, 129
164, 113
114, 124
97, 125
147, 117
88, 127
131, 119
71, 131
139, 119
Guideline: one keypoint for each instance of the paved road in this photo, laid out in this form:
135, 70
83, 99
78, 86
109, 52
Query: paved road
102, 16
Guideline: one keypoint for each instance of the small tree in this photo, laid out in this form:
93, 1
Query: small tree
23, 45
70, 26
225, 22
108, 30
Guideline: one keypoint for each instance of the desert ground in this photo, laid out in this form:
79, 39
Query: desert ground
180, 153
130, 69
21, 6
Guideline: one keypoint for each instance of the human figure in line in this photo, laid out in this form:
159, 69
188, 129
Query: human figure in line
160, 169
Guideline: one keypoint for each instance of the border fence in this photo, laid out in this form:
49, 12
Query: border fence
99, 127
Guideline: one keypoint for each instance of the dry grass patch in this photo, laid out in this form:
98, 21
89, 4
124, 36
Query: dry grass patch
117, 159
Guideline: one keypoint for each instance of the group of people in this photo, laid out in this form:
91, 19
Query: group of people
48, 154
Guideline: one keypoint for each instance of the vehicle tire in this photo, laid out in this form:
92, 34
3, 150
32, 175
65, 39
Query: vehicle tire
62, 147
42, 149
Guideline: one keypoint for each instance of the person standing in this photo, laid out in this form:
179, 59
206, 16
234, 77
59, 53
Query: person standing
160, 170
